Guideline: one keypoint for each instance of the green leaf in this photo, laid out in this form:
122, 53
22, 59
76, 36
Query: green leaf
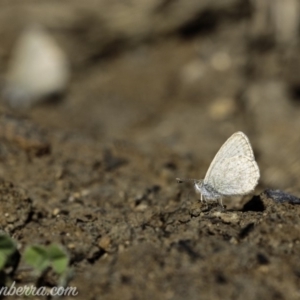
7, 245
3, 259
37, 257
7, 248
59, 258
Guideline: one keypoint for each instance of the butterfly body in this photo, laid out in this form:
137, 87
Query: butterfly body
206, 191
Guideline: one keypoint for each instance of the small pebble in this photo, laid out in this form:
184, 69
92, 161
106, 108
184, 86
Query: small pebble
104, 242
281, 197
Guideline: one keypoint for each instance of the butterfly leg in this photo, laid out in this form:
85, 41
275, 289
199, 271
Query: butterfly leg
202, 199
220, 201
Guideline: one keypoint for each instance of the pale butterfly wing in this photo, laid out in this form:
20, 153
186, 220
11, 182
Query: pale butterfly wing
237, 144
237, 175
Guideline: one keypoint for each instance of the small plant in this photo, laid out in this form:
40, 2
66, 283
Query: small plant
7, 249
41, 258
9, 258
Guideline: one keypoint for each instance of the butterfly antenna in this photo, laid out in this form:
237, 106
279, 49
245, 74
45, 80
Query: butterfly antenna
181, 180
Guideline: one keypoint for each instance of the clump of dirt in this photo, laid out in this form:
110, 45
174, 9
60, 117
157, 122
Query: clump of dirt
15, 208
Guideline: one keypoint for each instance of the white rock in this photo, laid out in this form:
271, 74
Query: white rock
38, 68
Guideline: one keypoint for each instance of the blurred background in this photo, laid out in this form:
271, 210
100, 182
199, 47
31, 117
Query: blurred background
175, 76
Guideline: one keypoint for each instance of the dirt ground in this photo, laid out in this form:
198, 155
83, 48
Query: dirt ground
156, 88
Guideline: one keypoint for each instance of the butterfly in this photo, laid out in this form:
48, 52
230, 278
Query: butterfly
233, 171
